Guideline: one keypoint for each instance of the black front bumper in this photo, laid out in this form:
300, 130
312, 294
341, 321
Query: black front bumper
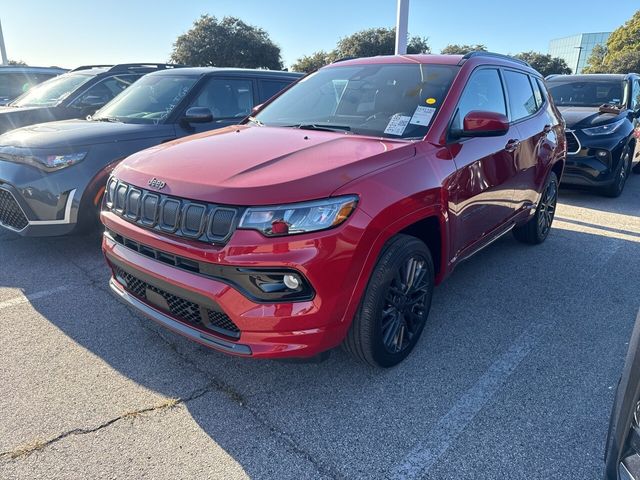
584, 166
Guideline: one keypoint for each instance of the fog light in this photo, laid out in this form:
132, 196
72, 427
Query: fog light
291, 281
602, 153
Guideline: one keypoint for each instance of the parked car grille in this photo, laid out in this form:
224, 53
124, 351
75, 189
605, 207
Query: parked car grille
11, 215
573, 144
181, 309
176, 216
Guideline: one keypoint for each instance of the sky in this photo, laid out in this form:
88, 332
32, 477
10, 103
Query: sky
69, 33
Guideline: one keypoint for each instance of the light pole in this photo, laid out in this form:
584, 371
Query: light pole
578, 61
3, 51
401, 27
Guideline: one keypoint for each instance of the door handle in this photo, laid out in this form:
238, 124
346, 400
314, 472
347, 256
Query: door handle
512, 145
546, 129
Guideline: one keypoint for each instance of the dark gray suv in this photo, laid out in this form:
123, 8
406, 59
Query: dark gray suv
52, 175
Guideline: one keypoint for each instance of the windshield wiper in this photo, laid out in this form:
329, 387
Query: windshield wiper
326, 128
106, 119
256, 121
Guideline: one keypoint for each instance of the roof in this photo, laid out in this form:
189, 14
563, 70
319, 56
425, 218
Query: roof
588, 77
418, 58
234, 71
29, 69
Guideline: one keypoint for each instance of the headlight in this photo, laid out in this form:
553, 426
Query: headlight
47, 162
604, 129
299, 217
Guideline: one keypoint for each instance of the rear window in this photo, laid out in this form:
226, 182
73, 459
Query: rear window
268, 88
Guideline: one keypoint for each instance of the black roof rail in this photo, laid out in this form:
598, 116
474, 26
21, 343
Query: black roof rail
88, 67
493, 55
344, 59
123, 67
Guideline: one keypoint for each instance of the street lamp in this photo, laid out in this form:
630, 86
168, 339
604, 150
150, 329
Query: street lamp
401, 27
578, 61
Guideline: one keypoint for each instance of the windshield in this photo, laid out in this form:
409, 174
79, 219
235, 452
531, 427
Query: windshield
150, 100
580, 93
51, 92
387, 100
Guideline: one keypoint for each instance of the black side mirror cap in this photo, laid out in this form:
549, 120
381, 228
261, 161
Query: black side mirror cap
197, 115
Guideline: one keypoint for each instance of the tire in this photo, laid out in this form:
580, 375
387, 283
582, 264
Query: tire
537, 228
622, 172
381, 333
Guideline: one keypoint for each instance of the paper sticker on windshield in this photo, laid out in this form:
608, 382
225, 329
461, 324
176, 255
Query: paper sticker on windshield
422, 115
397, 124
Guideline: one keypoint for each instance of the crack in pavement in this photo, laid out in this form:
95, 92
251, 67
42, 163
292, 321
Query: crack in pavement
27, 449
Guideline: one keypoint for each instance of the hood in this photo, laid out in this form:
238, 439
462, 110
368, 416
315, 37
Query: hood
12, 117
250, 165
78, 133
585, 117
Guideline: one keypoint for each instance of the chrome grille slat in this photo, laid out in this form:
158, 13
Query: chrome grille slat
167, 214
573, 144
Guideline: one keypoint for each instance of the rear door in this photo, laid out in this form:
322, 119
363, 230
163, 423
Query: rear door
482, 192
537, 139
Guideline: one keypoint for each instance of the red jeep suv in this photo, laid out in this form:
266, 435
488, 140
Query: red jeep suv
329, 216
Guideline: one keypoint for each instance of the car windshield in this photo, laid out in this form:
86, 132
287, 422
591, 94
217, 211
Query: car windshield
385, 100
150, 100
51, 92
581, 93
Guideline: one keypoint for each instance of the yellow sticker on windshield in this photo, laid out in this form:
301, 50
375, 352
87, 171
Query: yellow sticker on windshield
430, 100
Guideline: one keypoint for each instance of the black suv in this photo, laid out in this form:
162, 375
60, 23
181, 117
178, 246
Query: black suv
52, 176
17, 79
601, 113
75, 94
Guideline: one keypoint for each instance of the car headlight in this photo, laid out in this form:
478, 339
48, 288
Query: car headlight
604, 129
43, 161
299, 217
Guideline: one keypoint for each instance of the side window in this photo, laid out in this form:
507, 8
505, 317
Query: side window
635, 94
268, 88
522, 102
104, 91
226, 97
537, 93
483, 92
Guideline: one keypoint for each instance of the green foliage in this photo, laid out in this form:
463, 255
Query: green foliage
365, 43
456, 49
16, 62
309, 63
622, 54
377, 41
545, 63
226, 43
595, 62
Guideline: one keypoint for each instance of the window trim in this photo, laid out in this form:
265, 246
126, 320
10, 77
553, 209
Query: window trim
529, 76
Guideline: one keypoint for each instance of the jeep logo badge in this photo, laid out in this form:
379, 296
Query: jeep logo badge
157, 184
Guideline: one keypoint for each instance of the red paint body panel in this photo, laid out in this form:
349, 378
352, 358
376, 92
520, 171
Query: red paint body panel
471, 188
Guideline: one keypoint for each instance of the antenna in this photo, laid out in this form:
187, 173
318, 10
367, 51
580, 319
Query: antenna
3, 50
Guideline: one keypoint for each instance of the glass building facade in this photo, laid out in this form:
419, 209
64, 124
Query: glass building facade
576, 49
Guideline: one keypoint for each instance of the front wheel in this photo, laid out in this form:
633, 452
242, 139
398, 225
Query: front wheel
620, 175
395, 305
537, 228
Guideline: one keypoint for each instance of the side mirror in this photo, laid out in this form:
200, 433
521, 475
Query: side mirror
93, 101
197, 115
484, 124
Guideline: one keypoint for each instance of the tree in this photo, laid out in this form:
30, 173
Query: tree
376, 41
16, 62
545, 63
226, 43
455, 49
595, 62
622, 54
309, 63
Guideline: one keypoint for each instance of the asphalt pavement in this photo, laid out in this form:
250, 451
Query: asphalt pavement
513, 377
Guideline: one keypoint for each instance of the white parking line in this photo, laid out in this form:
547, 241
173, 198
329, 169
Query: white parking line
430, 448
32, 296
